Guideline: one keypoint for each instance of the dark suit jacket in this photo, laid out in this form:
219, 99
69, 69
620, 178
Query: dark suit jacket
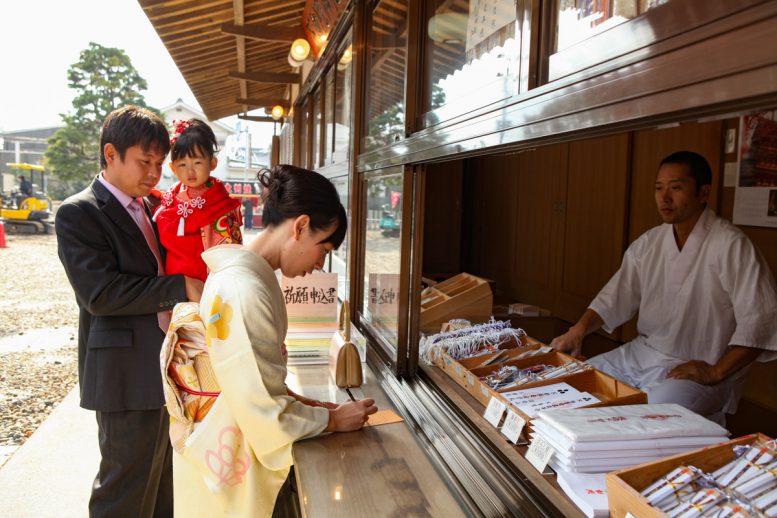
114, 275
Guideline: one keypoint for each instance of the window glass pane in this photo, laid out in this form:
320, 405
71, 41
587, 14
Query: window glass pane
385, 90
329, 115
343, 101
472, 55
382, 256
304, 141
577, 20
339, 257
316, 129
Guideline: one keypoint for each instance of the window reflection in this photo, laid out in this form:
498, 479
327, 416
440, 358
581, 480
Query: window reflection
343, 100
316, 129
472, 55
304, 137
339, 258
382, 258
578, 20
386, 84
329, 115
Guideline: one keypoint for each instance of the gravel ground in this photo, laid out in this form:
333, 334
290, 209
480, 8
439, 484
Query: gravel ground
38, 351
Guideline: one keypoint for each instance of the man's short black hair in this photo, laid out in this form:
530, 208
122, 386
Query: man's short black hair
697, 166
133, 126
22, 178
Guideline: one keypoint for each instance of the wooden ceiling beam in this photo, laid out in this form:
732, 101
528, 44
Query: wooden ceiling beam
286, 78
263, 32
257, 118
265, 102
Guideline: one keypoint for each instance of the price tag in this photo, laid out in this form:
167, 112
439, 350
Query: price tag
513, 426
494, 411
471, 379
539, 453
484, 390
458, 369
629, 515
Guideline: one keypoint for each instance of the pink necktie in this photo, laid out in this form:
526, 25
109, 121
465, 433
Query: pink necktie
141, 219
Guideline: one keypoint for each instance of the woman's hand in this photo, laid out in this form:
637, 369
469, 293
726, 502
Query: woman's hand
351, 415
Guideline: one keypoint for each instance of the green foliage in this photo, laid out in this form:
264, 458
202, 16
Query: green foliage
103, 79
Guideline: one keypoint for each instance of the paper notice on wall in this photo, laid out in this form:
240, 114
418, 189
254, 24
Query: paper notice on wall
311, 301
755, 200
486, 17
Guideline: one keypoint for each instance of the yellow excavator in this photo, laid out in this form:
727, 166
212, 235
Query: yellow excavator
27, 210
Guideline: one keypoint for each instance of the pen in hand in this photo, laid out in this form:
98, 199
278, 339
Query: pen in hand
349, 394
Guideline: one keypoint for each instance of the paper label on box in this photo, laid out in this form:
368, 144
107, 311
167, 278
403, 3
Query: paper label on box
470, 379
513, 426
494, 411
629, 515
458, 369
539, 453
484, 390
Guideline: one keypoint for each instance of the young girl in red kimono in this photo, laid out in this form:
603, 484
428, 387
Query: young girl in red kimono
197, 213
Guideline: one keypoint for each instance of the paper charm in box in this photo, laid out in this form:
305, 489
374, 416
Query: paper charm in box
470, 341
743, 487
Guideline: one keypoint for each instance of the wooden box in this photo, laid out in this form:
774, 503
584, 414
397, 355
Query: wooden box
458, 370
461, 296
610, 391
552, 358
624, 486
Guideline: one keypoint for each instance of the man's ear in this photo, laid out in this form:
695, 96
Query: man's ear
110, 153
299, 225
704, 193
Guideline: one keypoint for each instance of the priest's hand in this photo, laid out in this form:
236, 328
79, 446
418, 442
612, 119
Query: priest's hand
351, 415
570, 342
695, 370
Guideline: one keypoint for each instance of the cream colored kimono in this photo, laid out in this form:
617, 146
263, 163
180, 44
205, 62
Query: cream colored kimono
236, 459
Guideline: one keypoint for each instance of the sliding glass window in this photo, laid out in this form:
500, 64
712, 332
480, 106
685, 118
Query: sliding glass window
472, 51
385, 85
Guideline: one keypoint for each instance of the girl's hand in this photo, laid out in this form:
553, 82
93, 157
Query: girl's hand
351, 415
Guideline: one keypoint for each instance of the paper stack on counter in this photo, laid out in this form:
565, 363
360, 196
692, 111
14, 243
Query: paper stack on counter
587, 491
602, 439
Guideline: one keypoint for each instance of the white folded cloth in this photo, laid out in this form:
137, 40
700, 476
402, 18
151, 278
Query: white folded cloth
619, 423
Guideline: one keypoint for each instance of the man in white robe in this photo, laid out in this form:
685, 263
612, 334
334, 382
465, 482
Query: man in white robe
707, 301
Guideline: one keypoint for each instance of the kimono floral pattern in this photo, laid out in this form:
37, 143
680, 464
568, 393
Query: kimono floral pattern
218, 323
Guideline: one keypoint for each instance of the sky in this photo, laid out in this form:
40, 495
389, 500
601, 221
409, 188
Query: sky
40, 39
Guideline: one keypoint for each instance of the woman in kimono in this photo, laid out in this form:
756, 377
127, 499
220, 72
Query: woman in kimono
234, 462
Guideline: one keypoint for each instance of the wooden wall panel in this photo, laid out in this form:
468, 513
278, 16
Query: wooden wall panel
541, 197
597, 187
494, 218
442, 218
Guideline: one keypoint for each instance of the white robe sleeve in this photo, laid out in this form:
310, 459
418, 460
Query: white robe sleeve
745, 275
619, 300
246, 357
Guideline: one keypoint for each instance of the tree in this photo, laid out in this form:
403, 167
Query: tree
104, 79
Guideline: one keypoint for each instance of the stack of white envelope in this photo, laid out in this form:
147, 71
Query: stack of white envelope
602, 439
587, 490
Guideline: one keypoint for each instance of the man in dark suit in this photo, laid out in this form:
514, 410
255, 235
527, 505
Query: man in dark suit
112, 256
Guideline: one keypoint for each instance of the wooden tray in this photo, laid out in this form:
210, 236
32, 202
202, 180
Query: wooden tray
624, 486
462, 296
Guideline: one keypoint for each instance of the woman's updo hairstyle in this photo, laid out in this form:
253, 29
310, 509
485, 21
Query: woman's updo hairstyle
291, 191
190, 136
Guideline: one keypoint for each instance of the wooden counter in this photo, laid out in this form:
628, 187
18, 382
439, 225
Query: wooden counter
378, 471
